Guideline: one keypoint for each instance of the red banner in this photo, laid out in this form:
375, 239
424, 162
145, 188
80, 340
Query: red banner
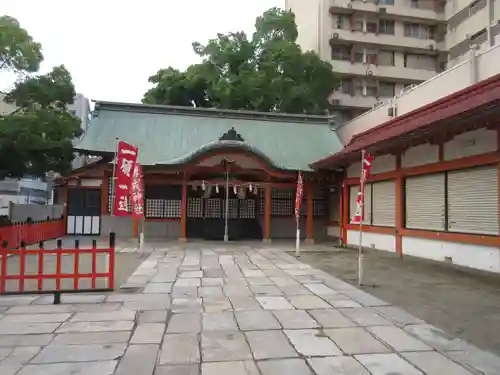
137, 193
125, 165
298, 197
366, 167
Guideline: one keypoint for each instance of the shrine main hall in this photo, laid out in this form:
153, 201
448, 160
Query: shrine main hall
194, 161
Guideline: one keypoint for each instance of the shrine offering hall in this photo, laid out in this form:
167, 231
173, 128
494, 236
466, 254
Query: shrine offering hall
194, 161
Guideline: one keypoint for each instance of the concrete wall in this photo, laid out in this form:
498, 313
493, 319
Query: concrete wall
21, 212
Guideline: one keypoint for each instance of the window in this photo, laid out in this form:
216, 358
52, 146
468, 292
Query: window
371, 26
387, 89
358, 87
371, 56
386, 58
358, 54
358, 24
414, 30
371, 89
415, 61
386, 27
345, 86
386, 2
341, 22
73, 112
429, 32
414, 4
342, 53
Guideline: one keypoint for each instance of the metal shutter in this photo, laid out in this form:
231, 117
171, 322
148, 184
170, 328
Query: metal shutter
473, 200
353, 194
384, 203
425, 201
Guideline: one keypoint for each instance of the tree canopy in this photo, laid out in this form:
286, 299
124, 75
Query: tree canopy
267, 73
18, 50
36, 137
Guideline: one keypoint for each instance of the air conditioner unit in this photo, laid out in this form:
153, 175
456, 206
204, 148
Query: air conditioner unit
382, 10
335, 101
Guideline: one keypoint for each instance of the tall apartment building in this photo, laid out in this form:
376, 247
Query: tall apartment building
382, 47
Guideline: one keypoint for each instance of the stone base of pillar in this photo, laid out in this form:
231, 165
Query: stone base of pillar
182, 239
309, 241
266, 240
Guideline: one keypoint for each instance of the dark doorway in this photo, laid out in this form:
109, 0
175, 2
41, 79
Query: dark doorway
84, 211
206, 213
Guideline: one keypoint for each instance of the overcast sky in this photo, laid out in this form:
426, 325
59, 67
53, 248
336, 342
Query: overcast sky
111, 47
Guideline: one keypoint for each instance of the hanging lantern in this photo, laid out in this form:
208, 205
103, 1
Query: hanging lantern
203, 187
217, 188
235, 190
250, 188
242, 193
207, 192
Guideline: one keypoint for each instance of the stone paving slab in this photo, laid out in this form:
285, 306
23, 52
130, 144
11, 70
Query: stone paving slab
217, 309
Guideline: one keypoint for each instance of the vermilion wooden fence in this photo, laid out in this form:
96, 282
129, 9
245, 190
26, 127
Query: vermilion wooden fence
19, 272
31, 233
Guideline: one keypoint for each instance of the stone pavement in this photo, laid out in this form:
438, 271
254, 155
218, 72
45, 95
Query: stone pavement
212, 309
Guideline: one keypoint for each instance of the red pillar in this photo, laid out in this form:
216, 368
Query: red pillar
182, 236
267, 214
310, 213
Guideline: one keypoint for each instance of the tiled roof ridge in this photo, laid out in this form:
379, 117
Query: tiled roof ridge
210, 112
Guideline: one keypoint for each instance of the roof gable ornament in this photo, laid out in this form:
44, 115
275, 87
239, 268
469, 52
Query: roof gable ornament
231, 135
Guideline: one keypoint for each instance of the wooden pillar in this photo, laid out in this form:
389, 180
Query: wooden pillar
345, 211
65, 202
399, 206
267, 214
498, 174
310, 215
182, 236
135, 227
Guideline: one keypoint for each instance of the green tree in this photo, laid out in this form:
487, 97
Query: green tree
36, 138
268, 73
18, 50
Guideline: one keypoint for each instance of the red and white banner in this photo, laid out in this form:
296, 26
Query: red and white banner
125, 164
298, 197
366, 167
137, 192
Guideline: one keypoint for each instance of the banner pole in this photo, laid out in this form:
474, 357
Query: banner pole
112, 209
360, 247
297, 240
113, 187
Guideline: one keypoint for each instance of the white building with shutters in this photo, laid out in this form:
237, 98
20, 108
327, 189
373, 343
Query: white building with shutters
434, 190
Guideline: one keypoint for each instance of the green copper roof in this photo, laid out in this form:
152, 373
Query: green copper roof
173, 135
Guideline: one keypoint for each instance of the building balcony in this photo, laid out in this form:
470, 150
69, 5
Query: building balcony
380, 71
397, 10
343, 36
